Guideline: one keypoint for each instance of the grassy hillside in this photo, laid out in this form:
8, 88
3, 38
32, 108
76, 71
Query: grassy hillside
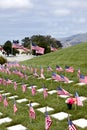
75, 56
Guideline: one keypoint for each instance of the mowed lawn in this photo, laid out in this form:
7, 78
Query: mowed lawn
75, 56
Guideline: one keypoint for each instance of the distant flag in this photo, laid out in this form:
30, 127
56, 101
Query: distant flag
71, 126
32, 113
61, 91
35, 72
23, 67
48, 121
69, 69
5, 101
15, 107
56, 77
53, 48
8, 81
78, 100
58, 68
1, 80
4, 82
7, 71
17, 46
25, 76
15, 85
0, 97
24, 87
31, 69
42, 73
40, 50
83, 79
64, 78
16, 41
78, 72
45, 93
49, 68
34, 46
33, 90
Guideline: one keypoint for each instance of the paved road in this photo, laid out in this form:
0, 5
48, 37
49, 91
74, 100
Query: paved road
20, 57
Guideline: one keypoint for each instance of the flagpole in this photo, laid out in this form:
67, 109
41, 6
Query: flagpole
29, 110
30, 47
12, 49
75, 106
68, 117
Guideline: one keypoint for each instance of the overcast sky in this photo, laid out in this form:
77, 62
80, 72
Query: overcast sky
58, 18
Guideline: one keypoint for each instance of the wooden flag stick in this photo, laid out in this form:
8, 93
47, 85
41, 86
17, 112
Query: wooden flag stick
75, 106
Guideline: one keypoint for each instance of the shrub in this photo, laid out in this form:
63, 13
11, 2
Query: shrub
2, 60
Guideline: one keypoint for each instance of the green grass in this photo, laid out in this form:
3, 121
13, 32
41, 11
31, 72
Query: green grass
75, 56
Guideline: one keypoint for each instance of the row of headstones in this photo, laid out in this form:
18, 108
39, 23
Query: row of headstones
60, 116
7, 120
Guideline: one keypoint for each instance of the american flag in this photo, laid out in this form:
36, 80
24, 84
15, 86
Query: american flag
23, 67
5, 101
1, 80
40, 50
32, 113
61, 91
83, 79
33, 90
45, 93
25, 76
7, 71
78, 73
58, 68
78, 100
4, 82
69, 69
41, 73
56, 77
71, 126
15, 85
24, 87
49, 68
0, 97
35, 72
17, 46
34, 46
48, 121
53, 48
64, 79
8, 81
15, 107
31, 69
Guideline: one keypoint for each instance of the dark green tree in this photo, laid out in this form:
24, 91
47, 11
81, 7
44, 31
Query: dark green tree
42, 41
8, 47
46, 42
26, 42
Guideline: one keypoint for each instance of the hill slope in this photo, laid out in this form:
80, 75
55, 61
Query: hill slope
74, 55
75, 39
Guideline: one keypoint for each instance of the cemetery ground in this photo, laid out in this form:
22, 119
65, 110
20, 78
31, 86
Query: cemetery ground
56, 106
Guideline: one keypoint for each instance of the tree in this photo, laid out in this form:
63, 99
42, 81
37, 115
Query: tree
26, 42
46, 42
8, 47
42, 41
